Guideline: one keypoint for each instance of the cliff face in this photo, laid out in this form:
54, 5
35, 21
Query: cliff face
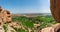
55, 9
5, 15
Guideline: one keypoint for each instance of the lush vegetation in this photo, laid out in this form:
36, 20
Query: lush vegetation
28, 22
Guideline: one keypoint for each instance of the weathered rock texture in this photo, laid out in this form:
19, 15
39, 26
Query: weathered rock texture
5, 15
55, 9
48, 29
55, 28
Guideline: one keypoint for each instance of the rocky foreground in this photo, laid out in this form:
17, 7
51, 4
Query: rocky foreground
55, 28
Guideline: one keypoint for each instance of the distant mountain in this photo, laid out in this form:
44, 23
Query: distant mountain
32, 14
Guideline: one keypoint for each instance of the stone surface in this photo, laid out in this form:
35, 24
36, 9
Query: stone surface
1, 29
10, 29
54, 28
55, 9
5, 15
48, 29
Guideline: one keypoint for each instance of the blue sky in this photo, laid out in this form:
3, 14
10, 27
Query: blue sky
26, 6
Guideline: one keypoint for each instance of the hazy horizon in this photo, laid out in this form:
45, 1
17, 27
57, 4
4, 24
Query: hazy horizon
30, 13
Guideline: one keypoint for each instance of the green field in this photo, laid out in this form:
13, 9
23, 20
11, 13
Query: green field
28, 22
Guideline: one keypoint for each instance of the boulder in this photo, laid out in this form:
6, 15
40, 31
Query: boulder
55, 9
48, 29
5, 15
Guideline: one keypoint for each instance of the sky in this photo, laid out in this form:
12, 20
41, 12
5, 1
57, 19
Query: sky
26, 6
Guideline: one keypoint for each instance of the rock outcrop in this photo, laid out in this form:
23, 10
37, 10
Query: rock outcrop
5, 15
55, 9
55, 28
48, 29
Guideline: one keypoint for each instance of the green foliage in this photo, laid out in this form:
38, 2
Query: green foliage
12, 31
19, 30
28, 24
45, 21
